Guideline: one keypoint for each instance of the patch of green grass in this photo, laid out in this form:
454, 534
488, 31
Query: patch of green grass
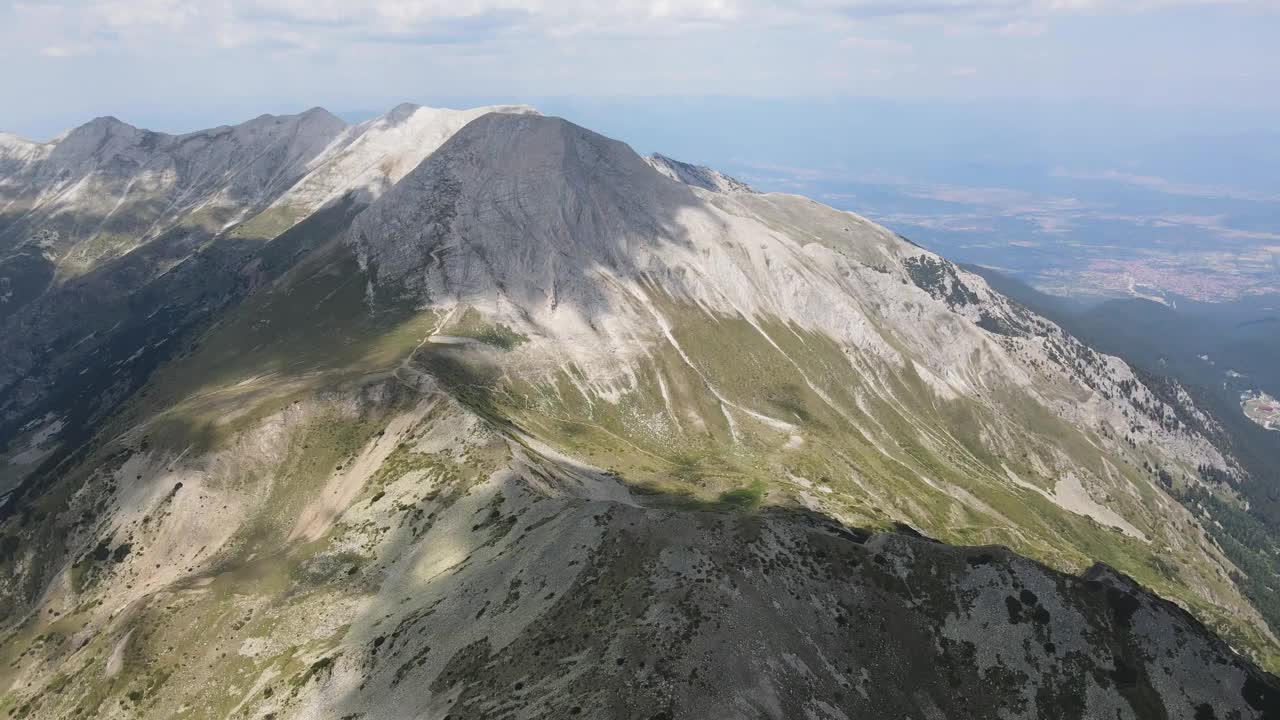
316, 668
310, 332
268, 224
472, 324
742, 498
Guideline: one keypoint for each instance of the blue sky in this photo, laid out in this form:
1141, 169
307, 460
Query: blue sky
181, 64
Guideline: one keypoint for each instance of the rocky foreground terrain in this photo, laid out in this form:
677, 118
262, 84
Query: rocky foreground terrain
481, 414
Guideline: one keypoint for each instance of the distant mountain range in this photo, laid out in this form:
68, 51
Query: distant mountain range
482, 414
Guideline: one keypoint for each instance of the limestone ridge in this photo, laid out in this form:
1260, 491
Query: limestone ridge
370, 157
105, 188
110, 173
696, 175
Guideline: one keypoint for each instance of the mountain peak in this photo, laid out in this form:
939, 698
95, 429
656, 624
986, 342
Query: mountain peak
100, 135
316, 116
105, 125
319, 116
525, 142
697, 175
370, 157
317, 111
107, 121
519, 189
17, 152
401, 112
9, 140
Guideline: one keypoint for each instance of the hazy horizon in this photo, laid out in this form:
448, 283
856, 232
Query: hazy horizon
194, 64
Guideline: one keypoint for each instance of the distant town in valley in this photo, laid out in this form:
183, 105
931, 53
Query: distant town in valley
1169, 227
1262, 409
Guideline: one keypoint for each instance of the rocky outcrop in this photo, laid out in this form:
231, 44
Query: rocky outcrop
369, 158
696, 175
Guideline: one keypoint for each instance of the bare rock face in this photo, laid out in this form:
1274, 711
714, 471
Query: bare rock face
524, 206
785, 615
369, 158
696, 175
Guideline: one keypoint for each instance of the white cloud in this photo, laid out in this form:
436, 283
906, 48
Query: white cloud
236, 23
150, 14
108, 56
66, 27
59, 51
1023, 28
875, 44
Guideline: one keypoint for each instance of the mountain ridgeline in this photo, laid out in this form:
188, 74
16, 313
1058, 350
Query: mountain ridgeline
481, 414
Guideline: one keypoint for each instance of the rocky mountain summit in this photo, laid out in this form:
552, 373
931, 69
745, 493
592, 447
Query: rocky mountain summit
482, 414
696, 175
